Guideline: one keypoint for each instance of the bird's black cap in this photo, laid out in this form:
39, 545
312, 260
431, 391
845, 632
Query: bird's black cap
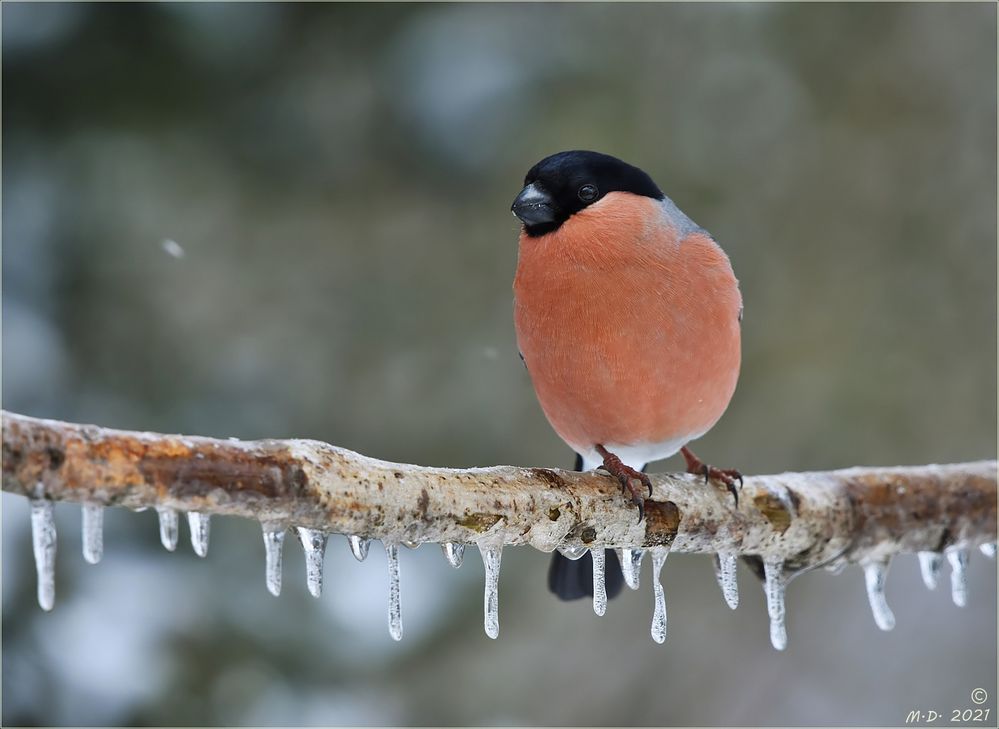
562, 184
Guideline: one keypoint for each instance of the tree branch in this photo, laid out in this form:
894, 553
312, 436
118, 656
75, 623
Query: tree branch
801, 519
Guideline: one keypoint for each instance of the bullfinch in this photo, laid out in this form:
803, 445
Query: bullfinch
628, 320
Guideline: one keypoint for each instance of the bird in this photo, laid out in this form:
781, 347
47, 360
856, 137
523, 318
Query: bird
628, 319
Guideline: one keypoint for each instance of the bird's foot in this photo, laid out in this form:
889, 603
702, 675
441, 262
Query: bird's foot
626, 476
727, 476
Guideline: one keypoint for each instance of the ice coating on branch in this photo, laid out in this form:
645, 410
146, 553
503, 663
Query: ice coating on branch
169, 527
453, 553
358, 546
199, 524
599, 583
273, 546
659, 555
725, 573
958, 559
929, 567
491, 557
836, 567
314, 545
774, 587
43, 542
93, 532
875, 574
989, 550
395, 598
573, 553
631, 565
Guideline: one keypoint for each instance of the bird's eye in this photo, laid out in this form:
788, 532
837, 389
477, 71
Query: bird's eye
588, 193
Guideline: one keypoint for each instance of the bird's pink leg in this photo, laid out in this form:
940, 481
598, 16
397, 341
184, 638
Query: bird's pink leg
626, 475
727, 476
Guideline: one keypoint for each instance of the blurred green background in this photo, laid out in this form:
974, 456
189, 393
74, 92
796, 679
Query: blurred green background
338, 178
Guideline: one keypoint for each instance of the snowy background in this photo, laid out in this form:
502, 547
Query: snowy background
338, 179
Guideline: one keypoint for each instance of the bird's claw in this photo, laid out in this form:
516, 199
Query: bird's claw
627, 487
626, 476
727, 476
730, 485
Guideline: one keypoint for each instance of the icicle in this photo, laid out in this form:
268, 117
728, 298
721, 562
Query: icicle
929, 566
199, 524
958, 559
454, 553
875, 574
43, 541
599, 583
273, 545
725, 573
573, 553
989, 550
314, 545
169, 527
631, 565
659, 555
774, 587
491, 557
93, 532
410, 544
395, 602
359, 546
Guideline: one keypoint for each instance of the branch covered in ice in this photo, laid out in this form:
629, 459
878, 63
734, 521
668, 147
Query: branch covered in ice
801, 519
789, 523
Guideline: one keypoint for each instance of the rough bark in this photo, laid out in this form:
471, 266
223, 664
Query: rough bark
806, 519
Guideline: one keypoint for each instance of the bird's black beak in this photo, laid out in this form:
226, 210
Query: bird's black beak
534, 206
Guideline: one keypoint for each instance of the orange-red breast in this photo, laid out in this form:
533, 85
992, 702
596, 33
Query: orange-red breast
627, 316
